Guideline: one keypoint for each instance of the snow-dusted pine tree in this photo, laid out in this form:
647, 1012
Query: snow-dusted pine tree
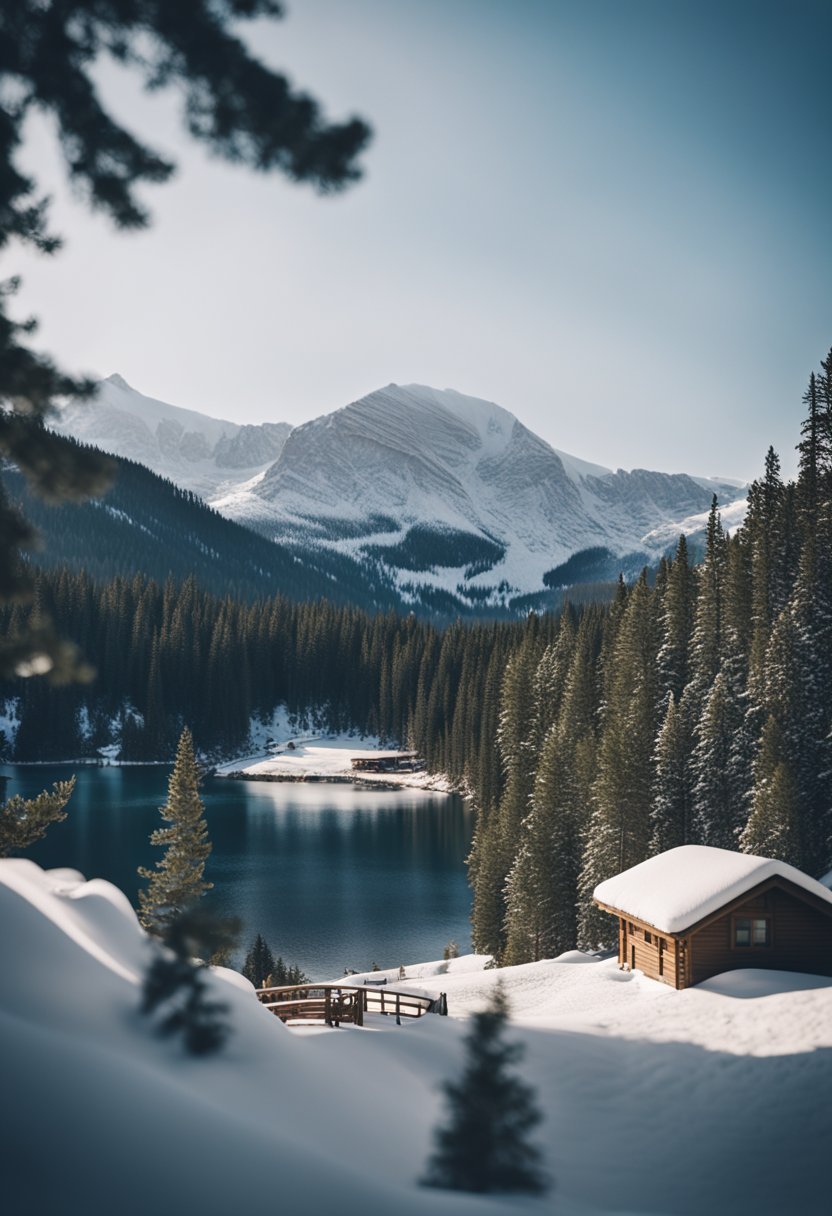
178, 881
773, 828
672, 800
619, 831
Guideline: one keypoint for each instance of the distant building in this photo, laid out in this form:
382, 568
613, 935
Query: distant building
695, 911
387, 762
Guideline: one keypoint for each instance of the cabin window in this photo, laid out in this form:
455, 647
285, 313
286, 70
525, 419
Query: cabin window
648, 937
632, 927
751, 932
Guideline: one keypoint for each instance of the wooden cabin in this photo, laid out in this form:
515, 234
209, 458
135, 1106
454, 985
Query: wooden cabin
696, 911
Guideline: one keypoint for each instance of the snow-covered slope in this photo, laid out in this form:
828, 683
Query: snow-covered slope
98, 1114
492, 501
206, 455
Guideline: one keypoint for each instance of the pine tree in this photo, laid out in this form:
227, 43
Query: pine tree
259, 962
483, 1147
773, 828
619, 830
671, 811
177, 882
175, 988
676, 622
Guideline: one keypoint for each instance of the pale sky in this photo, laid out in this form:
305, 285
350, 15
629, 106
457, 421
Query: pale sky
610, 217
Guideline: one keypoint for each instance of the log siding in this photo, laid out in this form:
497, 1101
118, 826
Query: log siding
799, 938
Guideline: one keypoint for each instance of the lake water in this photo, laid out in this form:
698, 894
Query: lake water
333, 876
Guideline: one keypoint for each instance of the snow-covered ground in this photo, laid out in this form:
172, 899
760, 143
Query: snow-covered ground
295, 757
713, 1100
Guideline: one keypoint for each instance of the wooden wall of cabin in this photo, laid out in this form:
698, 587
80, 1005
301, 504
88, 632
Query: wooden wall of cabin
641, 948
801, 939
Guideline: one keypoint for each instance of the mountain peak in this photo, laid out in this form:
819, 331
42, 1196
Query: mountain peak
118, 382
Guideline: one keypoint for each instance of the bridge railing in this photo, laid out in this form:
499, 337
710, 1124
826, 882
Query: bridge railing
334, 1003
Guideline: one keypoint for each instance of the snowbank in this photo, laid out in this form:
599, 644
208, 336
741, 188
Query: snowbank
674, 890
99, 1115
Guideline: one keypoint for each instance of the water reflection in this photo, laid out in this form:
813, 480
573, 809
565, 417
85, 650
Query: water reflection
332, 875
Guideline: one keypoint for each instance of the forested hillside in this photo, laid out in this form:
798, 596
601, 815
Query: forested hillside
696, 708
172, 654
698, 711
147, 524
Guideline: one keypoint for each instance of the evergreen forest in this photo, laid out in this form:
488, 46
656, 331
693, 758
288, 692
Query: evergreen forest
695, 708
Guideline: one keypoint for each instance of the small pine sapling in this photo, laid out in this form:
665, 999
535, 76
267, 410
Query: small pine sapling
483, 1146
259, 964
175, 990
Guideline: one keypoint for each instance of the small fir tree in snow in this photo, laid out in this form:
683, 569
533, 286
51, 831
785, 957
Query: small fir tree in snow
25, 820
178, 879
484, 1147
259, 963
175, 989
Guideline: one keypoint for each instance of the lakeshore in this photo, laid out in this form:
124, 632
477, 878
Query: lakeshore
327, 759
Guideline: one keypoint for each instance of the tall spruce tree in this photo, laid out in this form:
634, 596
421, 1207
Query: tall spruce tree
484, 1145
773, 828
178, 882
671, 811
619, 830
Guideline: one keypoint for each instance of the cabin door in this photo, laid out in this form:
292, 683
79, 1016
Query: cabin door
632, 958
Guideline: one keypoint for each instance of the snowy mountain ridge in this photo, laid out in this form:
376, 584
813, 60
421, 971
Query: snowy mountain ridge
445, 494
198, 453
412, 468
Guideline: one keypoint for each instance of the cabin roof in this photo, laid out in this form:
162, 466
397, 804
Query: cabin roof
677, 889
378, 755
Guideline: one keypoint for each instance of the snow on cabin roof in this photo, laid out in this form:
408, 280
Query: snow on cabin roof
678, 888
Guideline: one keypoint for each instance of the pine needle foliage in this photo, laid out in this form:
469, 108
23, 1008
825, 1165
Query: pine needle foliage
483, 1147
177, 881
175, 991
25, 820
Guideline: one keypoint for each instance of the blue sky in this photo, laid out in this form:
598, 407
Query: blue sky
611, 217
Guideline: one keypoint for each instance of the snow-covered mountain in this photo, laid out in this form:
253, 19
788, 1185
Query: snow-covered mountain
456, 493
206, 455
442, 493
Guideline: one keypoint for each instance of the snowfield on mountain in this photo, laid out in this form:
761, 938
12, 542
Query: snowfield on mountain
447, 492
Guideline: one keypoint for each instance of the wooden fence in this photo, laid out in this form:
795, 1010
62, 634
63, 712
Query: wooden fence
336, 1003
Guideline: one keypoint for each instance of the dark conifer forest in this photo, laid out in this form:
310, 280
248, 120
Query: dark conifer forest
695, 708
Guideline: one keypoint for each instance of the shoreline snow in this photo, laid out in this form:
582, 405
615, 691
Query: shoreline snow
326, 758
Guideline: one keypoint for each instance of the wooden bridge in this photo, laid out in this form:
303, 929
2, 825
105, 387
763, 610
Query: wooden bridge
334, 1003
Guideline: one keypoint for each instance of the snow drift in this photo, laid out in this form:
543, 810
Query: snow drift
98, 1115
